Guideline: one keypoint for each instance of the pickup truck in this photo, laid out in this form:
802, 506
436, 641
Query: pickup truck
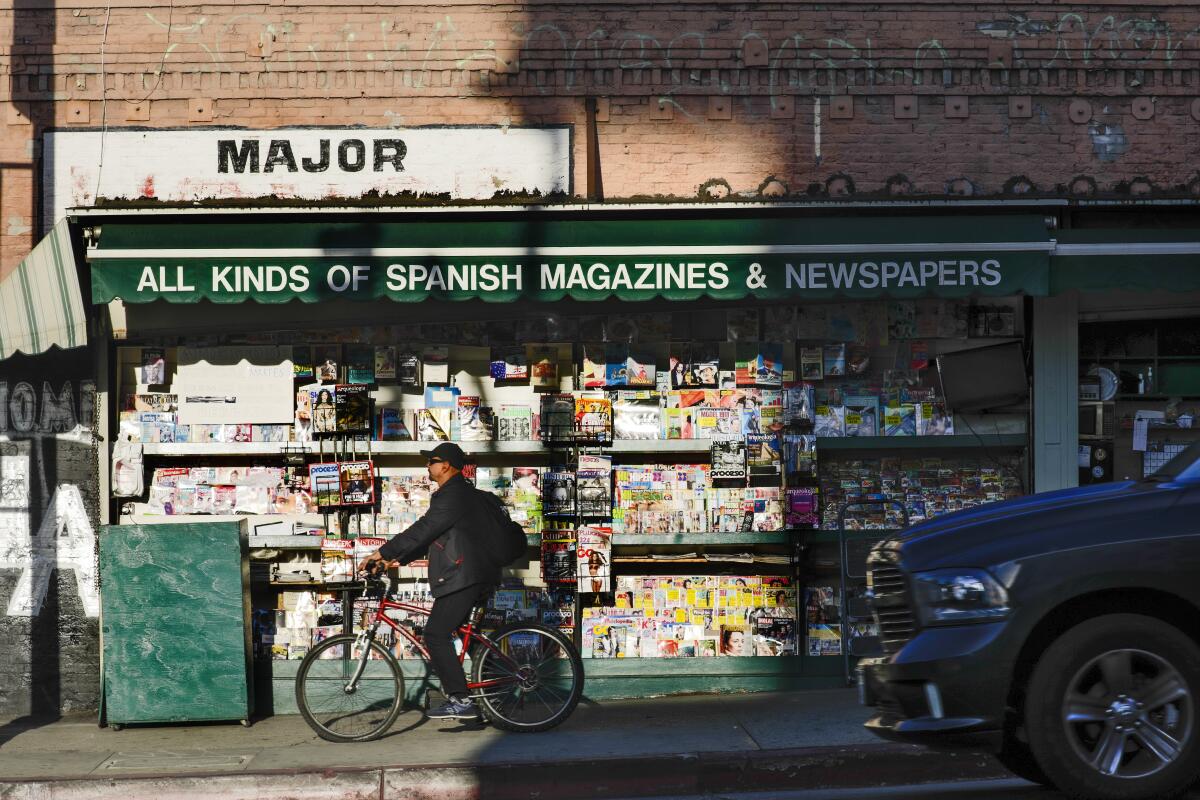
1060, 631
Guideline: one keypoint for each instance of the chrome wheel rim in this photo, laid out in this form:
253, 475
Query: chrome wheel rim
1128, 714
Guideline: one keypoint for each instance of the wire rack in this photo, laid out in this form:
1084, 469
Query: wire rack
1158, 454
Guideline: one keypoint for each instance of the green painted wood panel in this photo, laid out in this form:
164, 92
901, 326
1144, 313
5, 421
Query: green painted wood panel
175, 622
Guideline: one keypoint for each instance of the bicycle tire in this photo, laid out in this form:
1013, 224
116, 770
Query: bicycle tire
381, 713
499, 708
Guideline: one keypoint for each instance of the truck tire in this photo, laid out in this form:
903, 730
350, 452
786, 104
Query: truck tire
1111, 709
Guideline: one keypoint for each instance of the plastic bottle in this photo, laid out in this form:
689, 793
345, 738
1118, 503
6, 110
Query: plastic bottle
1141, 383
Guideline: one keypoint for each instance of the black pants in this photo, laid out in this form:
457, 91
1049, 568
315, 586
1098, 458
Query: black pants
449, 611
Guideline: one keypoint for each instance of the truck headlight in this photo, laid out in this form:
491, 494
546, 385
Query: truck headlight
949, 596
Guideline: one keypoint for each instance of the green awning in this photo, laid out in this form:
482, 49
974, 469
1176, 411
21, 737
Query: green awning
544, 259
1126, 260
40, 302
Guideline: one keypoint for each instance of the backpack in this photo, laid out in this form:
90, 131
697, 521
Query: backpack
505, 542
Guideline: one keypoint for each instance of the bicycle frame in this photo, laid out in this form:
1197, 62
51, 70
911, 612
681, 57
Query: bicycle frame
466, 632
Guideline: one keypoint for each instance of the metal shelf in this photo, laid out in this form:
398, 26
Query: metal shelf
956, 442
709, 537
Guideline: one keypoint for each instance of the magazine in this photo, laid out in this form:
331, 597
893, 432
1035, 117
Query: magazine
704, 367
741, 324
557, 418
800, 507
360, 363
763, 454
811, 364
799, 455
728, 459
640, 368
326, 358
933, 420
472, 425
558, 561
324, 485
592, 487
543, 367
833, 362
153, 369
433, 424
509, 363
717, 423
616, 364
323, 408
385, 363
830, 421
357, 480
900, 420
392, 427
797, 404
862, 415
435, 363
594, 558
593, 375
302, 363
408, 369
515, 424
902, 319
636, 415
593, 418
353, 405
558, 493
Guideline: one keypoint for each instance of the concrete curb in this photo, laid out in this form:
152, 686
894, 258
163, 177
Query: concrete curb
593, 779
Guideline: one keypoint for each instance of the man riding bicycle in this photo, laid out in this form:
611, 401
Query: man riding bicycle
461, 573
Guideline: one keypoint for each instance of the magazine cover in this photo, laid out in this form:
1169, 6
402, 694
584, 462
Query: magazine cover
780, 323
769, 366
558, 493
153, 367
472, 426
433, 424
902, 319
932, 420
392, 427
558, 561
918, 354
509, 363
830, 421
862, 415
408, 369
385, 363
302, 363
616, 364
323, 408
636, 415
435, 363
543, 367
800, 507
324, 484
858, 360
745, 363
797, 404
736, 641
357, 480
679, 355
326, 358
833, 361
812, 364
594, 558
595, 497
717, 423
515, 423
353, 406
704, 367
763, 454
900, 420
728, 459
799, 455
593, 374
640, 368
822, 620
593, 418
558, 417
360, 363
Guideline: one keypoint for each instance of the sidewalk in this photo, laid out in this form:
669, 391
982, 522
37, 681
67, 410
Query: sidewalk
677, 745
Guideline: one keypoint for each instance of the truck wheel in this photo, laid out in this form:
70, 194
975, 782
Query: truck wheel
1111, 709
1017, 758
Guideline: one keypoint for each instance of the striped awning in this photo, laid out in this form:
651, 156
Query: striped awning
40, 302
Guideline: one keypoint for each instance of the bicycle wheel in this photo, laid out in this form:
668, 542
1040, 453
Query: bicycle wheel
341, 714
538, 675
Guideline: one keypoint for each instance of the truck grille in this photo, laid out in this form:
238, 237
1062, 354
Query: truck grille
891, 607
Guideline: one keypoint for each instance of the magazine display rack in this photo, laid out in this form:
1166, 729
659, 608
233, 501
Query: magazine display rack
679, 488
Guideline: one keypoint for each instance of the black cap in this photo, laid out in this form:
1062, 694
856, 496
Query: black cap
449, 452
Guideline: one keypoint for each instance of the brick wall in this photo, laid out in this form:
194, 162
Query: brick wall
886, 98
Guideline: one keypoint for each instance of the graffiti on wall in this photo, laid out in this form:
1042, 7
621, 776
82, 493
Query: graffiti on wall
47, 462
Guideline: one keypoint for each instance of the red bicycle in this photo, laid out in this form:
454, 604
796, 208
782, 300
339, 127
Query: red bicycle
524, 677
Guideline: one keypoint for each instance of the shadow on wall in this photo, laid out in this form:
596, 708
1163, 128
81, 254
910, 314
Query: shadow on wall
49, 507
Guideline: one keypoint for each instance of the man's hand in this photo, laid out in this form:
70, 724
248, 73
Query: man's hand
372, 563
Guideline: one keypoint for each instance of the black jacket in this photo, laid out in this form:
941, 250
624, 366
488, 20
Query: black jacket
451, 532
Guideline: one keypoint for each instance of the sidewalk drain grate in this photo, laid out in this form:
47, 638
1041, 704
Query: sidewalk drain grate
171, 761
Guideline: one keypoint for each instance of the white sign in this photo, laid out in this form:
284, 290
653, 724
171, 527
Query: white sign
232, 385
308, 163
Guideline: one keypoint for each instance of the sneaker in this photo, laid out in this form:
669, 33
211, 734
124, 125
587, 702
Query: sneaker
456, 709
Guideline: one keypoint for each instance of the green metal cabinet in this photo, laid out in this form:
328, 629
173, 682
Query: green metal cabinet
175, 622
